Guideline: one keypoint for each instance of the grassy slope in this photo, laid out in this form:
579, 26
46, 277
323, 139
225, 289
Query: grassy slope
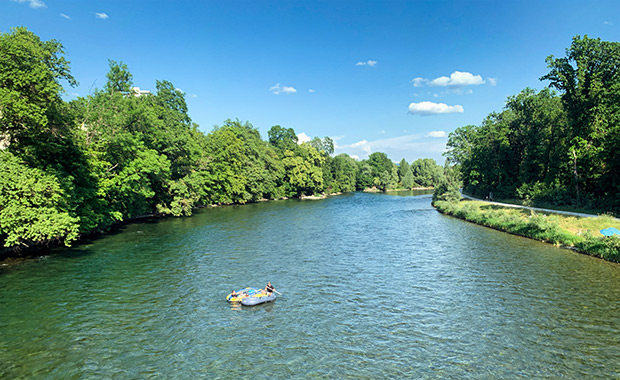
581, 234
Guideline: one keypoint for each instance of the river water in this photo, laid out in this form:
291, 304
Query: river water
374, 286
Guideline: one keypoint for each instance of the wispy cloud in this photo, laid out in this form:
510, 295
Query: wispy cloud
65, 16
418, 82
492, 81
395, 147
33, 3
102, 16
436, 134
370, 63
430, 108
457, 79
608, 23
279, 89
311, 91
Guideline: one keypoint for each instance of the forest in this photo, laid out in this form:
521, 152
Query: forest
70, 168
556, 147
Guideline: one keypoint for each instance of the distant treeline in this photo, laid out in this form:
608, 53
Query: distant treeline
545, 148
69, 168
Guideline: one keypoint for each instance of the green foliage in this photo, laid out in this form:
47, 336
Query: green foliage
34, 210
427, 173
82, 166
544, 148
30, 75
607, 247
282, 138
325, 146
446, 191
119, 78
341, 174
548, 228
304, 175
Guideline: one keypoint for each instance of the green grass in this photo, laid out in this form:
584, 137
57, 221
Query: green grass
581, 233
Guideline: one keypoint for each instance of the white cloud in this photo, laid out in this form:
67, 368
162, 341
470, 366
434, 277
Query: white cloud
370, 63
407, 146
302, 138
65, 16
102, 16
436, 134
310, 90
33, 3
608, 23
492, 81
382, 132
419, 82
458, 79
363, 146
430, 108
279, 89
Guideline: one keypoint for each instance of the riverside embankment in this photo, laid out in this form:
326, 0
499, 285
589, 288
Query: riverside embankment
569, 230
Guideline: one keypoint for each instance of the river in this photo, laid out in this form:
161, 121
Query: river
374, 286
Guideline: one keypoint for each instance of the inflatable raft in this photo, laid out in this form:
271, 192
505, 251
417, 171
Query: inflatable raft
241, 294
258, 298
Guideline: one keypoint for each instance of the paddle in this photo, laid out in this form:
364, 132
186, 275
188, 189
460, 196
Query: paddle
277, 292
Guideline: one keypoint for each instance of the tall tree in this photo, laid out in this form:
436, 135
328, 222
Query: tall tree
119, 78
30, 74
589, 79
282, 138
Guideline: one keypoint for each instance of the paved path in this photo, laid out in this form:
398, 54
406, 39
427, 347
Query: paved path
582, 215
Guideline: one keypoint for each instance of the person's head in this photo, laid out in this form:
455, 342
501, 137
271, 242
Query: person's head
268, 283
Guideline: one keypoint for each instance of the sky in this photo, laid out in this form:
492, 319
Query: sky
376, 76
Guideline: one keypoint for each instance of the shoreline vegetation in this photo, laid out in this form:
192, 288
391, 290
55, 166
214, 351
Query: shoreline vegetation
70, 169
580, 234
549, 150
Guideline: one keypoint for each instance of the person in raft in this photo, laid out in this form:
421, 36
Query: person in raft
269, 288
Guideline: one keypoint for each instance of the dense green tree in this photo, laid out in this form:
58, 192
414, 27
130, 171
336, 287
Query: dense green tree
303, 168
282, 138
119, 78
403, 168
589, 79
426, 172
342, 172
408, 181
30, 94
364, 178
34, 208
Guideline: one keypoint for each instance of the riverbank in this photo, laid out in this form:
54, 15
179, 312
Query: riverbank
572, 232
13, 255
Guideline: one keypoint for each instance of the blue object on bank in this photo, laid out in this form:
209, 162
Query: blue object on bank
610, 231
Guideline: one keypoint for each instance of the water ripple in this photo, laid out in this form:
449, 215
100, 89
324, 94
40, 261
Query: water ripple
374, 287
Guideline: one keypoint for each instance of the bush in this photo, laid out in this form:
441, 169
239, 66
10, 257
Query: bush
607, 248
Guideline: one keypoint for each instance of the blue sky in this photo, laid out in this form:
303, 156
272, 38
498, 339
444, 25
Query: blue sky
389, 76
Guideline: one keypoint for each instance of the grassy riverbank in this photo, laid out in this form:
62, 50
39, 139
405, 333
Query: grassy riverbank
578, 233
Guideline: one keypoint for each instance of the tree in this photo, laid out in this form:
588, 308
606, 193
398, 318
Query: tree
282, 138
325, 146
30, 74
119, 78
342, 171
589, 79
34, 210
